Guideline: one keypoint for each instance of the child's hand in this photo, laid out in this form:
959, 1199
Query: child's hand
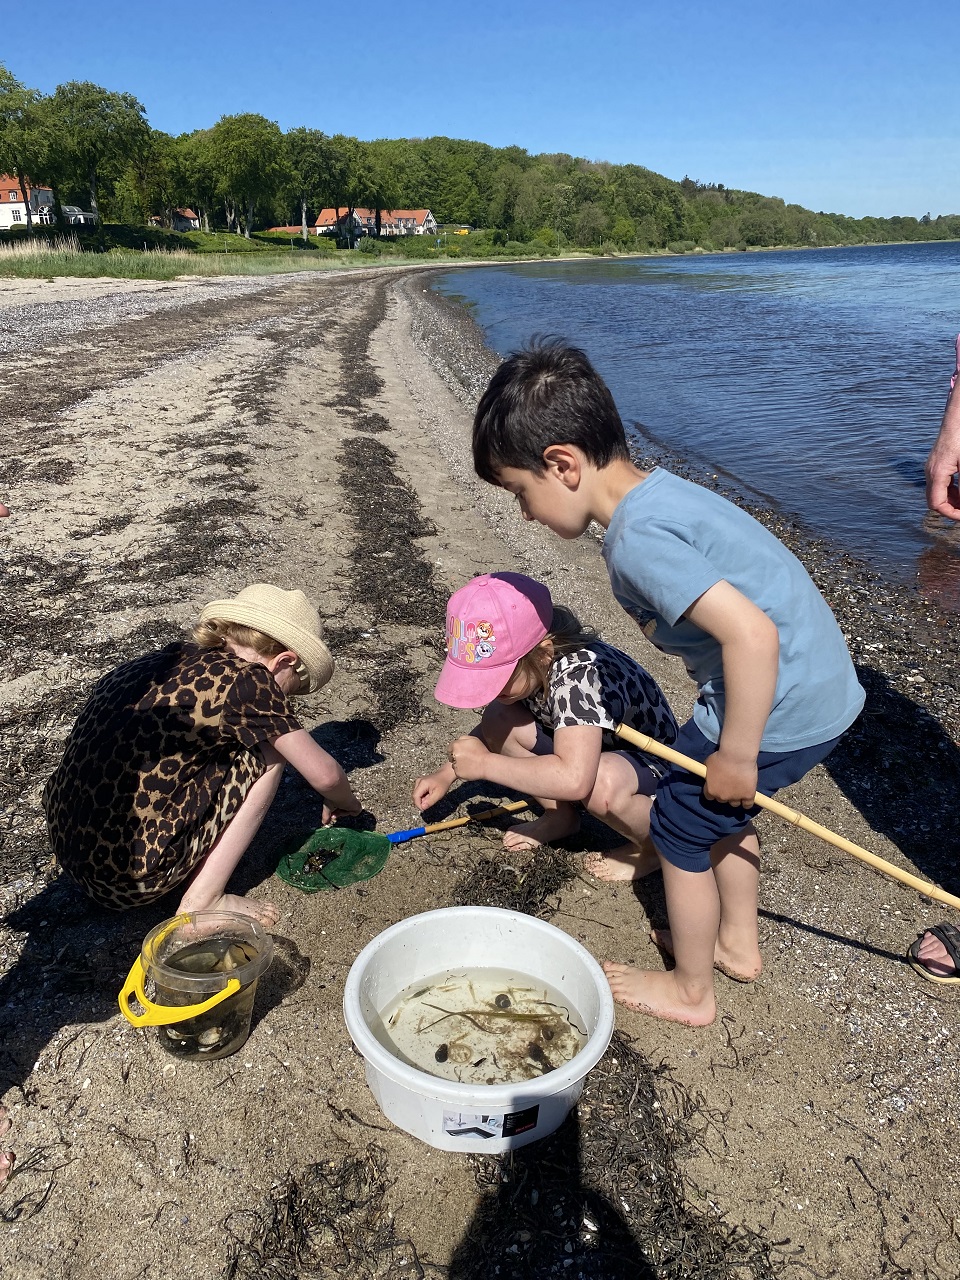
430, 790
730, 781
468, 756
332, 813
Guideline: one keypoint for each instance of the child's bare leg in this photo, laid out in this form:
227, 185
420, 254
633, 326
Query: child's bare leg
206, 891
7, 1158
510, 730
736, 868
623, 800
685, 994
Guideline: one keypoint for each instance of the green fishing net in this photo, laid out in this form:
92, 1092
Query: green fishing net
332, 858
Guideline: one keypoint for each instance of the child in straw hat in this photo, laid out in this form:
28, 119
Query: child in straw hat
177, 756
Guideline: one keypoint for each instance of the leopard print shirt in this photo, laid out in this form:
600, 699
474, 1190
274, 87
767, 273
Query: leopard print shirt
600, 685
158, 762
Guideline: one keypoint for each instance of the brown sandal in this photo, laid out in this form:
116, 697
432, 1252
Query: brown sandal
949, 935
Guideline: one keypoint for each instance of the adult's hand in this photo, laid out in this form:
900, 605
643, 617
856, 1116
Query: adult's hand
943, 493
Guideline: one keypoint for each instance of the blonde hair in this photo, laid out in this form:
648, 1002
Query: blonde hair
217, 633
567, 634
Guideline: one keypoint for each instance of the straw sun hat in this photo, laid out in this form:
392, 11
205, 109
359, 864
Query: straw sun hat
286, 616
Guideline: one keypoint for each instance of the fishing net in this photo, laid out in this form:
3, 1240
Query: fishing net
332, 858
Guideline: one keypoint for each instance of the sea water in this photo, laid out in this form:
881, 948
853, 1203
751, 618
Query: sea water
816, 379
482, 1026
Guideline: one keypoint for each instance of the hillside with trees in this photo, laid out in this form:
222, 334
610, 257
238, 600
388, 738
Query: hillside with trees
94, 147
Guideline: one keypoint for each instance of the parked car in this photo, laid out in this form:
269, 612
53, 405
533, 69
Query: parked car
78, 217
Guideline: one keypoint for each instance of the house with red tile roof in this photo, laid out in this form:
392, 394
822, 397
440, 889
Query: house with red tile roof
184, 220
393, 222
13, 210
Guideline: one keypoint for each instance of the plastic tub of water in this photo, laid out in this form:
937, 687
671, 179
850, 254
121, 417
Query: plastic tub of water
477, 1026
204, 967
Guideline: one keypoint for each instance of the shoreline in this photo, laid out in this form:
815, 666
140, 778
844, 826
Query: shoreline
316, 432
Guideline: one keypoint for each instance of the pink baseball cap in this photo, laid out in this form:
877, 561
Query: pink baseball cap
492, 623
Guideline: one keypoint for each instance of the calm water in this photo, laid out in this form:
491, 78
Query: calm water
816, 378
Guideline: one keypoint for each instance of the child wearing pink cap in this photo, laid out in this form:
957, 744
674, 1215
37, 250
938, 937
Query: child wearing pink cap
553, 693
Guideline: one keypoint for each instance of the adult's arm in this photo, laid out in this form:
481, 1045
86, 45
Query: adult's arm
944, 460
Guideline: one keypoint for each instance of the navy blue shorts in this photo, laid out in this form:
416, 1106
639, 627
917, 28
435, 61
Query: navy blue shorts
684, 825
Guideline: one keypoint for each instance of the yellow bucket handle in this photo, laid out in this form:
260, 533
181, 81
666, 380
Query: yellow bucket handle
164, 1015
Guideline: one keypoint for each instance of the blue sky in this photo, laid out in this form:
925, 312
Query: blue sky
846, 106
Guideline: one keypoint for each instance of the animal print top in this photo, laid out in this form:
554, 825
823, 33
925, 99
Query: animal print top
599, 685
158, 762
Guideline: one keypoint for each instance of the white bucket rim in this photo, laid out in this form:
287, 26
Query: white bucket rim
493, 1095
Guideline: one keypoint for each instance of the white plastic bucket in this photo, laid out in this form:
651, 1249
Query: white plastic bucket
474, 1117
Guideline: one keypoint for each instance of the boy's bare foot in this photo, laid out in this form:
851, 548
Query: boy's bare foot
553, 825
626, 862
265, 913
7, 1158
658, 994
741, 968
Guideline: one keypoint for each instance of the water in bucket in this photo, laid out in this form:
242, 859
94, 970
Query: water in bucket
224, 1029
204, 967
482, 1026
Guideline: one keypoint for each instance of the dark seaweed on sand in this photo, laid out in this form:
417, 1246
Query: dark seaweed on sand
604, 1198
492, 882
391, 577
331, 1221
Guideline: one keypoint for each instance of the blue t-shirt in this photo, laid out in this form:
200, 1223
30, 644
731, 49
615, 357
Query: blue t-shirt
669, 541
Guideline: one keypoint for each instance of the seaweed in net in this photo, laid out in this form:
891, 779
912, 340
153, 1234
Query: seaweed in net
332, 1220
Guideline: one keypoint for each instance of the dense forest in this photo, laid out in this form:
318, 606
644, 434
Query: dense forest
95, 148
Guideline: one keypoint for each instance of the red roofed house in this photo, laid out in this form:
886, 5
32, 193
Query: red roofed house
13, 211
393, 222
184, 220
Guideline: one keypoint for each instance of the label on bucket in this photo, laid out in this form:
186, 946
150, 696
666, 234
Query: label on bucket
477, 1124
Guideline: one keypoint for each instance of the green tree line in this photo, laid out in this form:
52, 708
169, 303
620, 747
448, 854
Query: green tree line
95, 147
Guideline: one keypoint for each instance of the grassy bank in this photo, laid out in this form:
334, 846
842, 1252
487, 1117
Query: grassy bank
136, 253
65, 257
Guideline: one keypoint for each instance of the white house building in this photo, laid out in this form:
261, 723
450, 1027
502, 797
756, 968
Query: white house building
393, 222
13, 210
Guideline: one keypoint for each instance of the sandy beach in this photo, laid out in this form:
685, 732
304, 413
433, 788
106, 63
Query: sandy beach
166, 444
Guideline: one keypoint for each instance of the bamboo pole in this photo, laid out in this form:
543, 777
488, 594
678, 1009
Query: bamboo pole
654, 748
511, 807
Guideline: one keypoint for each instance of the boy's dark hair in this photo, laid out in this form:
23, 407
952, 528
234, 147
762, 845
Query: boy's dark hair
546, 393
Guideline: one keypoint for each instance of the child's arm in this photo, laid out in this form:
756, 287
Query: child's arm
431, 789
750, 644
321, 771
569, 772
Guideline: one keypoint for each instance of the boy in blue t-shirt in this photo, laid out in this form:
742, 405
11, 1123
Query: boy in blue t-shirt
704, 580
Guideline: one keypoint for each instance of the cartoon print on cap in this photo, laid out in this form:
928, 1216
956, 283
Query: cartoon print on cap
470, 641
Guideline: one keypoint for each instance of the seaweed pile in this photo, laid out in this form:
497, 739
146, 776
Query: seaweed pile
331, 1221
604, 1198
